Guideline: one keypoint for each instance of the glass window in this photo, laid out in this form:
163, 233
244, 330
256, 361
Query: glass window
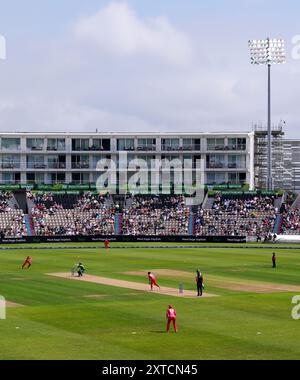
35, 162
125, 144
35, 177
7, 177
197, 144
191, 144
52, 178
80, 162
237, 143
35, 144
80, 144
236, 161
56, 144
80, 178
237, 178
147, 144
97, 144
187, 144
98, 158
215, 161
10, 161
10, 143
56, 162
101, 144
216, 178
216, 144
170, 144
11, 178
52, 162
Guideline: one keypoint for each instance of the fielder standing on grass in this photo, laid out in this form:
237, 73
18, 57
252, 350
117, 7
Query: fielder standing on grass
199, 281
152, 280
27, 262
106, 244
171, 317
274, 260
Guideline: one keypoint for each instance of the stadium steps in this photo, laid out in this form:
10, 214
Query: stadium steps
119, 200
192, 221
208, 203
13, 203
128, 202
30, 205
28, 224
21, 199
277, 225
278, 202
118, 223
296, 204
66, 200
109, 202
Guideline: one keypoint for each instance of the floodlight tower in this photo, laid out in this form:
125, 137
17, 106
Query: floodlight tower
268, 52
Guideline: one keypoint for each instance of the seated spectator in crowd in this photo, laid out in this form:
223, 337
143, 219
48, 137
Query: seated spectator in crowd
12, 222
253, 216
291, 222
89, 215
156, 215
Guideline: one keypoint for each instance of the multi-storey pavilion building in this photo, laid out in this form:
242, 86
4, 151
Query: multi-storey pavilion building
72, 157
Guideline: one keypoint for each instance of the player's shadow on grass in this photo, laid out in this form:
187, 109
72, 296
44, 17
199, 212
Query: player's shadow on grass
158, 331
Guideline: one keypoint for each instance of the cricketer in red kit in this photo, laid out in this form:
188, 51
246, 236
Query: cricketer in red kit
106, 243
152, 280
171, 317
27, 262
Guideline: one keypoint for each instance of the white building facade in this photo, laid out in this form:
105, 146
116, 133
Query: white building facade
71, 158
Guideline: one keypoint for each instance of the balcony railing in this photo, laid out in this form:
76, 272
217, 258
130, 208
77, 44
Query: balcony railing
34, 148
57, 165
80, 165
218, 165
130, 148
227, 147
181, 148
80, 149
54, 148
146, 148
10, 165
99, 148
237, 166
11, 148
36, 166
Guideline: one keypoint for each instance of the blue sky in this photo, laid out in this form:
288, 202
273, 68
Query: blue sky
143, 64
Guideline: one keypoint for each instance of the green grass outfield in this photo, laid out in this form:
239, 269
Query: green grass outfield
59, 321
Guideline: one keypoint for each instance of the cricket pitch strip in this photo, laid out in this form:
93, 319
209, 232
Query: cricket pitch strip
131, 285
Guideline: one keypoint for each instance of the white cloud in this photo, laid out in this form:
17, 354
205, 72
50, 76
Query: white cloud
115, 71
117, 30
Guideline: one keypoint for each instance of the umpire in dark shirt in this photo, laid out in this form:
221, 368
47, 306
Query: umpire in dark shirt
199, 281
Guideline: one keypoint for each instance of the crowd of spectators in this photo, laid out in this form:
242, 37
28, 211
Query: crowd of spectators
93, 214
12, 222
5, 197
89, 215
291, 222
253, 216
156, 215
90, 201
290, 217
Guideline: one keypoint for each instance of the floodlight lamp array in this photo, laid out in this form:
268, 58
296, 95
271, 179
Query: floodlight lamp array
267, 52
